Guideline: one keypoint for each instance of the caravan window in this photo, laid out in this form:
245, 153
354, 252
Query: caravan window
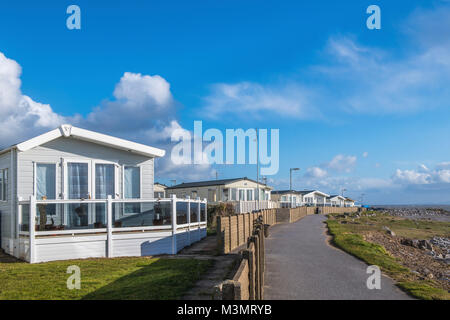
132, 182
3, 184
45, 181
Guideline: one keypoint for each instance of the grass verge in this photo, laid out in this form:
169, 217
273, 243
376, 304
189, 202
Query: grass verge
118, 278
373, 254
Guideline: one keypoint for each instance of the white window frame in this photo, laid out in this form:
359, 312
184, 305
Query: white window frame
65, 167
123, 179
57, 194
116, 177
5, 184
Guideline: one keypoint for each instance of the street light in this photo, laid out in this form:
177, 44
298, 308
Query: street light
290, 177
342, 191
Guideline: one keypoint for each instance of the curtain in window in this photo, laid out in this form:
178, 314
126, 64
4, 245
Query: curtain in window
77, 180
45, 181
241, 195
1, 186
132, 185
233, 194
104, 180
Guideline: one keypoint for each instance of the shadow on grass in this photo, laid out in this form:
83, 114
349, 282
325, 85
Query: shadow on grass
163, 279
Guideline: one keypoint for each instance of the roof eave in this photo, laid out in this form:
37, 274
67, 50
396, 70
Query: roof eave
91, 136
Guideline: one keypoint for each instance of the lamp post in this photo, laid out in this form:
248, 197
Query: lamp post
342, 191
290, 177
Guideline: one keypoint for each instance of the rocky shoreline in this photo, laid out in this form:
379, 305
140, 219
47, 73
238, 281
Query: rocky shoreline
417, 213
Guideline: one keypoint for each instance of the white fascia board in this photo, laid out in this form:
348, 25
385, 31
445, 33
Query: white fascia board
123, 144
321, 193
37, 141
91, 136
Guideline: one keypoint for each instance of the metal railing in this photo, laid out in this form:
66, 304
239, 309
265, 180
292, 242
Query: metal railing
41, 218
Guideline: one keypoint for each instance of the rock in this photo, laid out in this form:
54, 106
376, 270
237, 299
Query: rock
389, 231
406, 242
425, 245
426, 271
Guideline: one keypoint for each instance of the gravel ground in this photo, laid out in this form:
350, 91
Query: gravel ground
420, 261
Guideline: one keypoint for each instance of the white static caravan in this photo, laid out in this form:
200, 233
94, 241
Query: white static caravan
314, 198
335, 201
72, 193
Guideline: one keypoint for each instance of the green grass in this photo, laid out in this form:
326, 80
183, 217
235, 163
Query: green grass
408, 228
118, 278
348, 237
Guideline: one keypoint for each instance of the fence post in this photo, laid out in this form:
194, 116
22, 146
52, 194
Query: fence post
32, 228
199, 210
188, 212
109, 226
174, 224
19, 221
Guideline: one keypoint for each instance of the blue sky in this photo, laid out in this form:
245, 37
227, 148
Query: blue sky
365, 110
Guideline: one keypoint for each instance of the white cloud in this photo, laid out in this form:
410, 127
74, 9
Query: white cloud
246, 99
410, 177
365, 154
141, 102
423, 175
20, 115
143, 110
315, 172
354, 78
443, 166
342, 163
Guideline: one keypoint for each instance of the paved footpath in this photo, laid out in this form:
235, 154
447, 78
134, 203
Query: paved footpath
301, 264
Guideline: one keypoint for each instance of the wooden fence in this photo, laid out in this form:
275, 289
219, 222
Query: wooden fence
234, 230
248, 281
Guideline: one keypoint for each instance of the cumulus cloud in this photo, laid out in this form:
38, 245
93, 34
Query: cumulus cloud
143, 110
365, 154
141, 101
423, 175
20, 115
